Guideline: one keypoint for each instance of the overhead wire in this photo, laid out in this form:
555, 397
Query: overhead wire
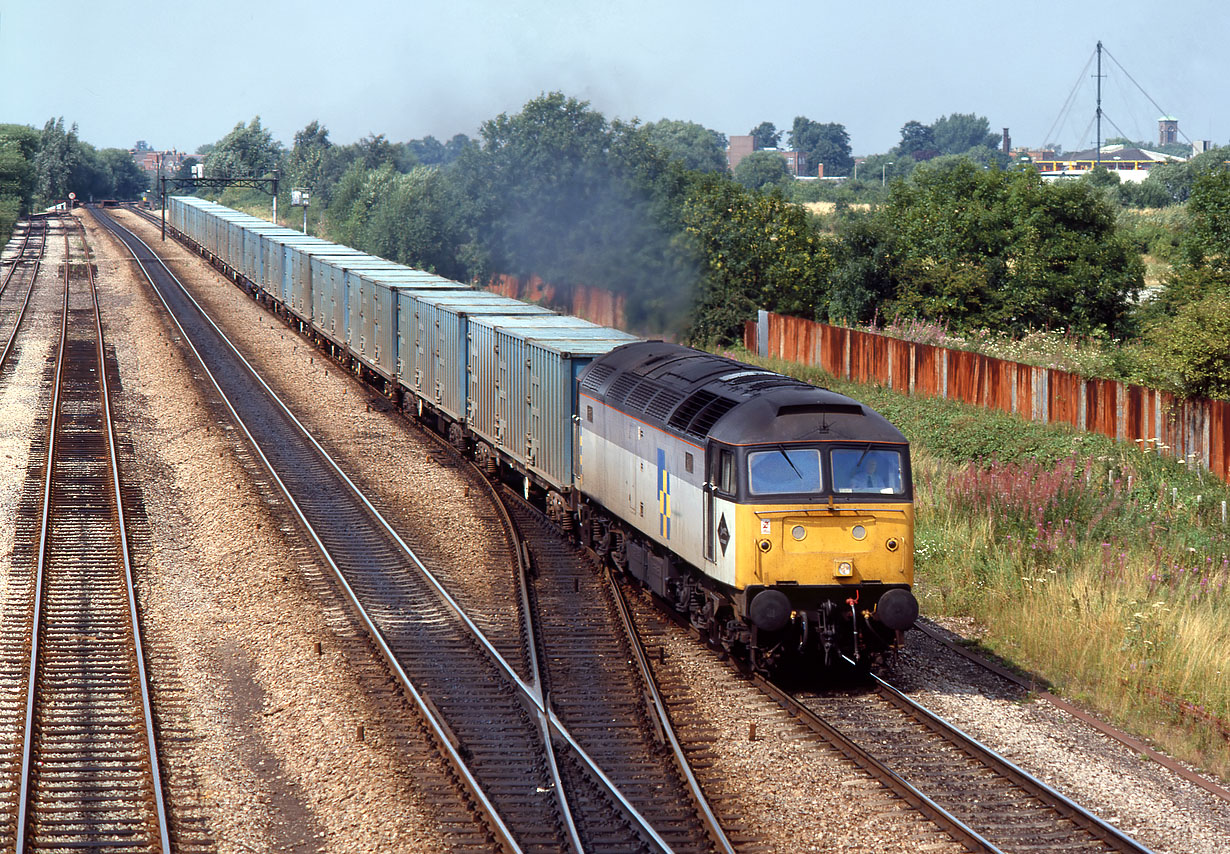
1067, 105
1142, 90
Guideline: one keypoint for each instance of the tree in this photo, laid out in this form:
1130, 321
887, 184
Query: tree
1196, 346
313, 162
985, 248
247, 151
18, 179
694, 146
757, 251
128, 181
458, 143
826, 144
375, 151
19, 146
419, 223
1177, 179
765, 135
761, 170
557, 191
959, 132
58, 155
1203, 264
917, 141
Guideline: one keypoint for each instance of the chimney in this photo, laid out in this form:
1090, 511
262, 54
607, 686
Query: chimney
1007, 143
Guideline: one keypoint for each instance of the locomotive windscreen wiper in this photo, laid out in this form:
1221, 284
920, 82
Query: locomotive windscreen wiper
866, 451
781, 449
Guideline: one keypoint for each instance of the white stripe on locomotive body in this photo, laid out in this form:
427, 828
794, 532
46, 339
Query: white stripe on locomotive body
620, 471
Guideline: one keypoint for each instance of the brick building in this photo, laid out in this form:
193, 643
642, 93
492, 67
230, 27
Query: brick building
742, 146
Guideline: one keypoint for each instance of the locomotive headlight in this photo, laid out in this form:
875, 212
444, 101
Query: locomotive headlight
798, 532
845, 569
858, 532
893, 544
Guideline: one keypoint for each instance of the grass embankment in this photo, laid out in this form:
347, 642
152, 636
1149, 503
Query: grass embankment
1100, 567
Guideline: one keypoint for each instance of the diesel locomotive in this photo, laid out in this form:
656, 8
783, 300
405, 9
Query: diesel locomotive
778, 516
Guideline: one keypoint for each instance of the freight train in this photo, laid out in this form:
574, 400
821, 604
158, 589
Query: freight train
776, 515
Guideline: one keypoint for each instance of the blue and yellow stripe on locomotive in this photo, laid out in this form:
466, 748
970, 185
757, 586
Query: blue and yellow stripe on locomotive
780, 515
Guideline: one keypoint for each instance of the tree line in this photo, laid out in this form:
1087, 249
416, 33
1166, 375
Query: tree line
557, 190
39, 169
954, 233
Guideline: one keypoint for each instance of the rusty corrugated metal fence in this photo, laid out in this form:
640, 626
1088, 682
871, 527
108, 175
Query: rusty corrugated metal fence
1191, 429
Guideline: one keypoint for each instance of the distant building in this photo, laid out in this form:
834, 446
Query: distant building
1167, 130
1130, 164
741, 146
148, 159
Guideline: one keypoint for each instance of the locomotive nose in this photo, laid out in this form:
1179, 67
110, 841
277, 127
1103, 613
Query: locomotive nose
897, 609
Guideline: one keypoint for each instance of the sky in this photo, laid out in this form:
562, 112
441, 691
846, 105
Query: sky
180, 75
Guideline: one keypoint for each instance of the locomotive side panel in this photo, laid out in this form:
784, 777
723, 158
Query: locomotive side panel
640, 474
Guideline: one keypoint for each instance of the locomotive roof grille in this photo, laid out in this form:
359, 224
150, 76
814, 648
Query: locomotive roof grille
709, 416
700, 412
640, 396
621, 388
597, 375
662, 404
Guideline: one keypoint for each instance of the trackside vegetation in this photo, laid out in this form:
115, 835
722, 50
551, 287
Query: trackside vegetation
39, 169
1101, 568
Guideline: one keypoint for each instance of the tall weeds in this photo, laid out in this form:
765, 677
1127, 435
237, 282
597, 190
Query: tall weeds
1109, 587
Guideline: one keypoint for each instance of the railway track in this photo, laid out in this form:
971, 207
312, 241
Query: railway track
15, 289
980, 798
490, 712
597, 679
88, 773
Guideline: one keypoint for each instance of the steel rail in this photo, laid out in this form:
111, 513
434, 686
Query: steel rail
1078, 815
438, 727
34, 270
22, 842
526, 690
1032, 686
21, 253
712, 825
104, 385
539, 685
534, 692
27, 750
434, 721
960, 831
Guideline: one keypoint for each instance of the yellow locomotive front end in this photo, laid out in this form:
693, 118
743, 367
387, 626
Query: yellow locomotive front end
824, 558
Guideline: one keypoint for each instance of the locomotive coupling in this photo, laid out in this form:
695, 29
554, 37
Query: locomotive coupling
897, 609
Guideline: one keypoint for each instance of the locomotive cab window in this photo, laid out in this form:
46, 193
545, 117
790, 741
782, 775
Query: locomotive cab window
784, 471
868, 470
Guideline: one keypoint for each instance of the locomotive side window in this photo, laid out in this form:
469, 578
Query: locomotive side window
724, 472
687, 463
589, 413
867, 470
784, 470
